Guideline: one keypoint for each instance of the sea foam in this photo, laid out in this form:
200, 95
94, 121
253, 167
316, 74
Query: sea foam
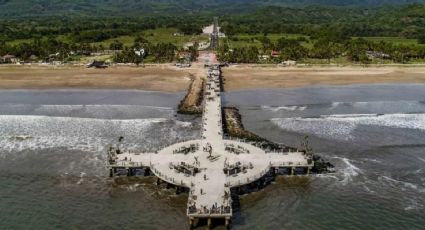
19, 133
284, 108
342, 126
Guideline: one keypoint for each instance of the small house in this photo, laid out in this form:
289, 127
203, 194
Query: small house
264, 57
10, 59
185, 55
33, 59
376, 54
275, 53
140, 52
53, 57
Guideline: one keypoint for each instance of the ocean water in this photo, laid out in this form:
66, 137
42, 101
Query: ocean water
53, 175
373, 134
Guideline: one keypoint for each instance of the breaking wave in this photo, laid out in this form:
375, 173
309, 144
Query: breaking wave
404, 185
365, 107
349, 171
19, 133
285, 108
342, 126
86, 111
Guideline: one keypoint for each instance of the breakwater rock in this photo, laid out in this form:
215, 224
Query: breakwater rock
233, 128
192, 102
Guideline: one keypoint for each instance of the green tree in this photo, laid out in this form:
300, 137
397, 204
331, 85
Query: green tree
325, 49
290, 49
421, 38
356, 49
116, 45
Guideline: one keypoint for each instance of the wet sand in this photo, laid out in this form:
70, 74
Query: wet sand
243, 77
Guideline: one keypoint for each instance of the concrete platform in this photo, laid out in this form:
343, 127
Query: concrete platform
209, 167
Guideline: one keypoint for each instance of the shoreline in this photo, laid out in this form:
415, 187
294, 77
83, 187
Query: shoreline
168, 78
249, 77
162, 78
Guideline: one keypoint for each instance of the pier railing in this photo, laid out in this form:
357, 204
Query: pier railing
168, 179
291, 164
128, 164
255, 144
236, 182
223, 211
227, 212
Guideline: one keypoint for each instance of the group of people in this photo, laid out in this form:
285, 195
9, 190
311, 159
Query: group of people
232, 169
185, 150
237, 150
182, 167
215, 209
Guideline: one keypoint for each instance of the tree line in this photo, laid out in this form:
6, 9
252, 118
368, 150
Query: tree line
329, 29
51, 49
388, 21
395, 21
353, 49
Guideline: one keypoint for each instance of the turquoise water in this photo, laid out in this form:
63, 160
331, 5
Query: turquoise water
53, 176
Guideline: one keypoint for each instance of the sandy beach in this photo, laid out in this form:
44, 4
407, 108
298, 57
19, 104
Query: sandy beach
154, 78
168, 78
242, 77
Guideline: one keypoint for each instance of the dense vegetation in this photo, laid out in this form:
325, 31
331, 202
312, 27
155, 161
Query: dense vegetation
357, 50
326, 33
408, 21
253, 28
60, 39
28, 8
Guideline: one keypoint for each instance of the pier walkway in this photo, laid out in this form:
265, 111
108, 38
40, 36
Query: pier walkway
211, 166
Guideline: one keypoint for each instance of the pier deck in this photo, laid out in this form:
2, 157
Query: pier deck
209, 167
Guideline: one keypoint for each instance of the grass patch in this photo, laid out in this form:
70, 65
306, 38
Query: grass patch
395, 40
165, 35
245, 40
126, 40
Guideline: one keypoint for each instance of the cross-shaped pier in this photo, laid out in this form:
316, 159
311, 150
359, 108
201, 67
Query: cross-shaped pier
211, 166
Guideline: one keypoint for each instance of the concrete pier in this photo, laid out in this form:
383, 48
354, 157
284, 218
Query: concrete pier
212, 166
